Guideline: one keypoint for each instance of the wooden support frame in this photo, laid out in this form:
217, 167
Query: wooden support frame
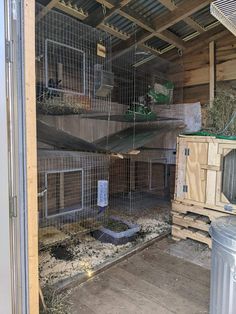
171, 6
31, 153
160, 25
150, 30
212, 72
200, 41
48, 7
73, 11
187, 8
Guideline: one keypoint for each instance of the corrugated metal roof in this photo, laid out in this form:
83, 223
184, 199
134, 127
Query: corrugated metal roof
203, 17
121, 23
181, 29
157, 43
147, 10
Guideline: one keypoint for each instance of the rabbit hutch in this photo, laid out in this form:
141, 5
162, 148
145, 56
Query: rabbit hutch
207, 162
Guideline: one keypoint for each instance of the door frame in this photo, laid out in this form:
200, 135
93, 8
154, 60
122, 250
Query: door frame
19, 288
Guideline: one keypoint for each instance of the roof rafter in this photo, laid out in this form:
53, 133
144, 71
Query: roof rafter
188, 20
165, 35
187, 8
99, 17
51, 4
161, 24
200, 41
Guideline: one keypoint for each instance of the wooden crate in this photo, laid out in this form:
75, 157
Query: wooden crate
200, 172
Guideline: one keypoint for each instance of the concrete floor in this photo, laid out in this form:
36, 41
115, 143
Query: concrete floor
152, 281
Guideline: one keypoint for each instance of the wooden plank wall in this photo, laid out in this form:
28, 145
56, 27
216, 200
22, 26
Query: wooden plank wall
197, 70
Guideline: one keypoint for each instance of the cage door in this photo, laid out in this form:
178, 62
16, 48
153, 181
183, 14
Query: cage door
64, 192
195, 188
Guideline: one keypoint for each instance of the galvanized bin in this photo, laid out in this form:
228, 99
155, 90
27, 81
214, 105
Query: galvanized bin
223, 266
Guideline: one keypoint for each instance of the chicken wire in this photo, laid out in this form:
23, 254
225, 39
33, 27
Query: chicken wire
67, 63
67, 189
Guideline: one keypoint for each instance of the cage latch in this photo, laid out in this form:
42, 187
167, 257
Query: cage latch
41, 194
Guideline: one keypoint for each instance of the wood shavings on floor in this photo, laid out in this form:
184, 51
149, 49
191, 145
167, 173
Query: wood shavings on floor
88, 252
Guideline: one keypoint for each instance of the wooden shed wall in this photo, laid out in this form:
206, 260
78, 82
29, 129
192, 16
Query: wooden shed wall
196, 69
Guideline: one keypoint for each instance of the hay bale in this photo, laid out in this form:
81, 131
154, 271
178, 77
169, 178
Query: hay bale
221, 116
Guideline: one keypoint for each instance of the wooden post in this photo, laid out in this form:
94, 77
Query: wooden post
212, 70
31, 153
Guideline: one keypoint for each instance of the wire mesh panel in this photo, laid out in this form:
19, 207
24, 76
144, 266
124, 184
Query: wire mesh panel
138, 182
64, 68
137, 82
67, 62
67, 189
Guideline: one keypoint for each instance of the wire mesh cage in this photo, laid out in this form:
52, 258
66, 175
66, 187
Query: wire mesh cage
67, 189
138, 182
70, 58
140, 86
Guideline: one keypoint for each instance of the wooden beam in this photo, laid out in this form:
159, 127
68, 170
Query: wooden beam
31, 152
113, 31
212, 71
99, 16
197, 27
188, 20
46, 9
187, 8
200, 41
72, 10
114, 10
166, 35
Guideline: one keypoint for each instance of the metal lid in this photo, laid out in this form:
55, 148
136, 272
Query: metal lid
223, 230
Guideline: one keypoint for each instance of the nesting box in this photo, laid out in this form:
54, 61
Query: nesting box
206, 172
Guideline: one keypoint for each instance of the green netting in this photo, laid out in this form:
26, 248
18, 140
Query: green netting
203, 133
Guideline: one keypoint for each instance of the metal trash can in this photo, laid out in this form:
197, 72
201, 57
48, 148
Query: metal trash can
223, 266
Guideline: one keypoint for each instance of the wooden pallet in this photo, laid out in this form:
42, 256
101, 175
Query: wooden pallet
193, 221
190, 220
179, 232
189, 208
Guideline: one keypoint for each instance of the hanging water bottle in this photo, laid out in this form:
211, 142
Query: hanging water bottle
102, 199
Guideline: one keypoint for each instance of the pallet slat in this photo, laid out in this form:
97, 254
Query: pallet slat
193, 222
187, 233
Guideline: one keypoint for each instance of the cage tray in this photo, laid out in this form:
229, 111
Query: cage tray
106, 235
